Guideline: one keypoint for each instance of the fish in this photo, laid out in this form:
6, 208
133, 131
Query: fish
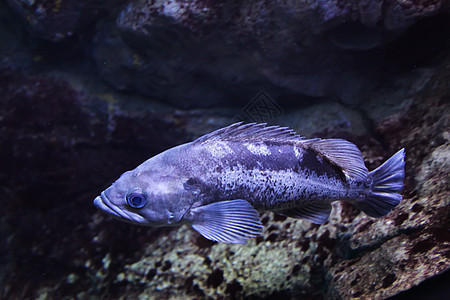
220, 182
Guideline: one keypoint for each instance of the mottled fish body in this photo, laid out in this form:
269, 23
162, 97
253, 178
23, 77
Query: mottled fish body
219, 182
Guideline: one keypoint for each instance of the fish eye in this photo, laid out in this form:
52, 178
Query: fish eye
136, 199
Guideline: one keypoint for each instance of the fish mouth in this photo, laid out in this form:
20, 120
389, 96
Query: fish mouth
102, 202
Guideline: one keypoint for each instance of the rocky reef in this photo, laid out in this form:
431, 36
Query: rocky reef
91, 89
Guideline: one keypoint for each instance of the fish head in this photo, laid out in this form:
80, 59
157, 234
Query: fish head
145, 198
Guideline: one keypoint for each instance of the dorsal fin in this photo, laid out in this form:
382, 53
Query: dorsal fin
343, 154
250, 132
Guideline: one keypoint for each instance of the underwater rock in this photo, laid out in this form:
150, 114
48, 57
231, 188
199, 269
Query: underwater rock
13, 50
64, 125
326, 120
81, 140
154, 66
64, 137
401, 14
58, 143
351, 256
393, 15
55, 20
204, 54
395, 98
433, 175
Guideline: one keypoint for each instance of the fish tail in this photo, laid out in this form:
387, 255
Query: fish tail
387, 185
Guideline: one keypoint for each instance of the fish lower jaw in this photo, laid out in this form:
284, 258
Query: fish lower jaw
98, 202
104, 204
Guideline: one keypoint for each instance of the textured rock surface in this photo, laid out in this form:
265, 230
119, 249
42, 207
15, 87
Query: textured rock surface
65, 136
238, 48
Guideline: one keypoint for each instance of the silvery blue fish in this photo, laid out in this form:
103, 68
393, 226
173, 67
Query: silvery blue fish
219, 182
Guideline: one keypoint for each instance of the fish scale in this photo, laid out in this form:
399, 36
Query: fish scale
219, 182
254, 178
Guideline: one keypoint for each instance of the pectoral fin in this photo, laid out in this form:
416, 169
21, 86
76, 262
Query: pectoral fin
233, 221
316, 213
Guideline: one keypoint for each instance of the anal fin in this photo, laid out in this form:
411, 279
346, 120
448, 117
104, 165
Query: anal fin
316, 213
